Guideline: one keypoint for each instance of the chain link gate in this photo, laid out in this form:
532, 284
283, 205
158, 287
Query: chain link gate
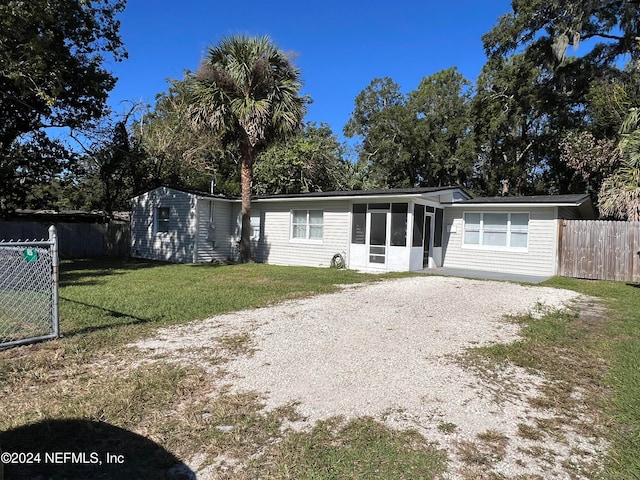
29, 290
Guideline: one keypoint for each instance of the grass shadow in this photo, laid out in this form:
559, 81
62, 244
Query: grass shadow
83, 449
88, 271
112, 313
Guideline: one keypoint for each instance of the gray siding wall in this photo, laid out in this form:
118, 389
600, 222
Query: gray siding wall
276, 247
539, 259
218, 247
178, 245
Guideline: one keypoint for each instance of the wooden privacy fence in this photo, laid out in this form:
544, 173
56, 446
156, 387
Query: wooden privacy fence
600, 249
76, 239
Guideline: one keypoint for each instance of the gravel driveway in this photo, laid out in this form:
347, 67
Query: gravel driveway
388, 350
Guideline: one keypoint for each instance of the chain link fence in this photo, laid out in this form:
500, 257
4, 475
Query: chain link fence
28, 290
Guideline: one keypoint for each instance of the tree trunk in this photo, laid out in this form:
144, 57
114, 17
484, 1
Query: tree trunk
246, 176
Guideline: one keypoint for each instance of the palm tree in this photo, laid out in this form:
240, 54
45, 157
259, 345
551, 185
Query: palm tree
619, 195
247, 90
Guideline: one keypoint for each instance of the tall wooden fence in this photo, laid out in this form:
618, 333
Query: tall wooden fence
599, 249
76, 239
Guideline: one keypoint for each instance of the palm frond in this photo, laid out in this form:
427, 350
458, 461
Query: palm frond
250, 84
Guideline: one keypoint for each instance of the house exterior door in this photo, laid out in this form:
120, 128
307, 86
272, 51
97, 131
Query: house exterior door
378, 234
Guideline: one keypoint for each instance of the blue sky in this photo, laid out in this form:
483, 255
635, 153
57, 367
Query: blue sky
339, 46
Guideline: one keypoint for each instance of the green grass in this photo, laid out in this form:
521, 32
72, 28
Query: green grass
619, 345
597, 355
85, 387
361, 448
24, 314
85, 392
113, 301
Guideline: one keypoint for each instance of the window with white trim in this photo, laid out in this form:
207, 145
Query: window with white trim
307, 225
499, 230
162, 219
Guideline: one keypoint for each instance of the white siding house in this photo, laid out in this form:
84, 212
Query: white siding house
509, 234
175, 226
321, 230
382, 230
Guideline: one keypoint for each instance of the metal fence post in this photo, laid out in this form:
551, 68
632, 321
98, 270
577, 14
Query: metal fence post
55, 262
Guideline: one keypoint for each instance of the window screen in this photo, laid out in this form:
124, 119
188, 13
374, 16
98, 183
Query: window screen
359, 225
437, 234
418, 225
399, 224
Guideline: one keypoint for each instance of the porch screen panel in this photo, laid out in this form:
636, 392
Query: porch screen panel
418, 225
378, 237
437, 234
359, 226
378, 229
399, 224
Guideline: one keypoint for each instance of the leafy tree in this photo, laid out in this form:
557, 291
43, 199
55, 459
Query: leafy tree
384, 123
309, 162
442, 128
112, 169
545, 29
247, 89
51, 75
555, 92
592, 151
510, 127
423, 138
619, 196
179, 155
592, 159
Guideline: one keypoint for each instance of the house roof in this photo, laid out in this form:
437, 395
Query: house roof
571, 200
581, 202
364, 193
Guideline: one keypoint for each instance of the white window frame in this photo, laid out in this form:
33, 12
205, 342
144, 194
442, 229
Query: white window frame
157, 221
481, 246
307, 226
255, 221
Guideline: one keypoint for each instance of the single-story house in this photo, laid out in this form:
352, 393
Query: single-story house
389, 230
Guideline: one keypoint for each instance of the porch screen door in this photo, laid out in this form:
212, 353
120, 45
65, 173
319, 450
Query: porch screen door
378, 237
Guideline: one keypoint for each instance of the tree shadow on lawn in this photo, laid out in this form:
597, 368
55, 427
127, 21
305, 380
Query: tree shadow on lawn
89, 271
84, 449
120, 319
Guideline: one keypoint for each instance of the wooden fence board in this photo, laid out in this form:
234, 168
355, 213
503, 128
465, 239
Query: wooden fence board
76, 240
598, 249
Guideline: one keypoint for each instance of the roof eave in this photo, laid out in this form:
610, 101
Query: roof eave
372, 196
513, 204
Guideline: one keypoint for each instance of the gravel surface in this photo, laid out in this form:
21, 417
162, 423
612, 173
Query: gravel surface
388, 350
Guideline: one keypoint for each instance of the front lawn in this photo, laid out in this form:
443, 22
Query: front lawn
86, 393
118, 300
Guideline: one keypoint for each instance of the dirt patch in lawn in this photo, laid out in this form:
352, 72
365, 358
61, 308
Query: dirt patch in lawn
390, 351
